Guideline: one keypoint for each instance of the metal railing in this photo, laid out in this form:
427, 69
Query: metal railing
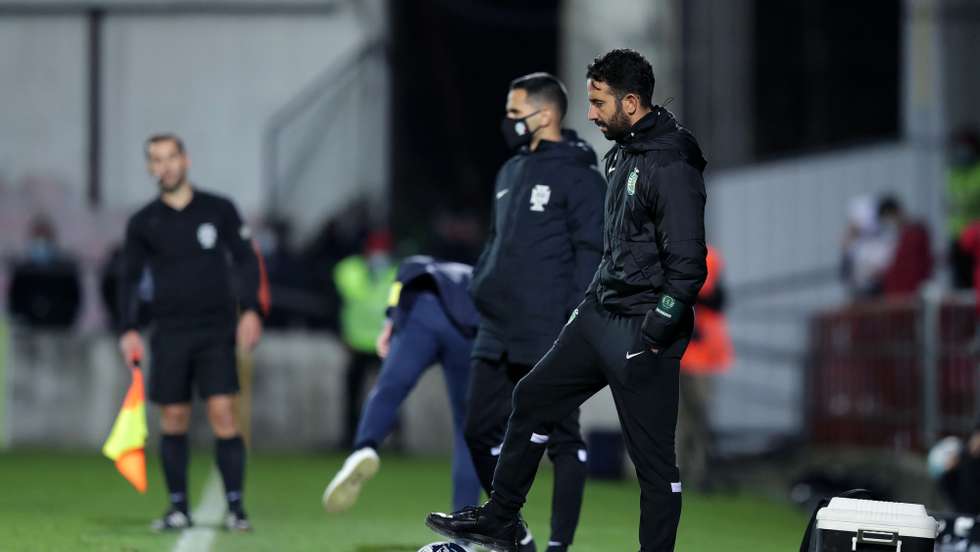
896, 374
326, 137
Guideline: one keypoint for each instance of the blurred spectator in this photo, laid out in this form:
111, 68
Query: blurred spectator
45, 289
867, 249
911, 261
294, 302
969, 243
341, 236
363, 282
344, 234
957, 471
963, 197
709, 353
458, 236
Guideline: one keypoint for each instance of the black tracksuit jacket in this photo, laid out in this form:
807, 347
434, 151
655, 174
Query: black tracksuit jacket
544, 245
654, 225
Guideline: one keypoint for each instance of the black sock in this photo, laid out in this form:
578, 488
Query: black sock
230, 454
569, 487
173, 453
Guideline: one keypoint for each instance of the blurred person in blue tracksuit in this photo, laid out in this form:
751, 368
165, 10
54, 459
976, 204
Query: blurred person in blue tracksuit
431, 318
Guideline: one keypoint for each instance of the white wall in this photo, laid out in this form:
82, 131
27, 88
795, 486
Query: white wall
960, 42
44, 98
216, 81
297, 383
778, 221
651, 28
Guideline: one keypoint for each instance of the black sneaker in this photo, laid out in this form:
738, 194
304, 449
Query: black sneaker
525, 540
173, 520
238, 522
479, 526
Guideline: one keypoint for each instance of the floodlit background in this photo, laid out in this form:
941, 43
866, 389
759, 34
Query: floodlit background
331, 122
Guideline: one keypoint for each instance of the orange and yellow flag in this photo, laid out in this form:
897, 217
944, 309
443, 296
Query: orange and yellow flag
128, 437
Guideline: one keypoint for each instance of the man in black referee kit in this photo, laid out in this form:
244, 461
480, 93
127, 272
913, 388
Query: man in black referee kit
544, 245
634, 324
186, 237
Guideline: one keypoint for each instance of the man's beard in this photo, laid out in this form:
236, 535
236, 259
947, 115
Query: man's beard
170, 188
618, 126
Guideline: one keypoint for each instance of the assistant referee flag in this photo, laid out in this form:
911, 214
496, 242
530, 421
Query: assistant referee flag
127, 440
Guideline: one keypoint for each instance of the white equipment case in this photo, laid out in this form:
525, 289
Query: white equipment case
852, 525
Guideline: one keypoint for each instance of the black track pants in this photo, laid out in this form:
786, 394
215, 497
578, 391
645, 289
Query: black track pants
490, 399
598, 348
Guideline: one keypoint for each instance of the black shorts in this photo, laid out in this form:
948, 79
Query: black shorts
204, 358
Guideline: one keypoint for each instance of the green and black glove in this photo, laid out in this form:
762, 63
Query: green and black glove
661, 322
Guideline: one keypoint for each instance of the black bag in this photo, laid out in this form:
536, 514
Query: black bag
809, 538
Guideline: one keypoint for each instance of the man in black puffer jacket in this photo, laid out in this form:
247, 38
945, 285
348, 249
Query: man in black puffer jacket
634, 324
544, 245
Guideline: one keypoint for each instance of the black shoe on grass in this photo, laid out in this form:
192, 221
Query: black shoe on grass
173, 520
480, 526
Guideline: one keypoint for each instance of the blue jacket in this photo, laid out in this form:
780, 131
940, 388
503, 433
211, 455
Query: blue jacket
448, 280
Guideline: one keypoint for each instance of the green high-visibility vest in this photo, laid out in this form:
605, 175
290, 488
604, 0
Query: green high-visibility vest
963, 194
364, 298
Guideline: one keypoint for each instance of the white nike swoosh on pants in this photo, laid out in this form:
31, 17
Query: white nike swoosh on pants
502, 193
629, 356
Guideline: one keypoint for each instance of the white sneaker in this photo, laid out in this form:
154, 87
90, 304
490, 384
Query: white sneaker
343, 490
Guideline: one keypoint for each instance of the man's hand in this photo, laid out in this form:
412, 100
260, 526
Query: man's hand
249, 330
974, 444
383, 343
131, 347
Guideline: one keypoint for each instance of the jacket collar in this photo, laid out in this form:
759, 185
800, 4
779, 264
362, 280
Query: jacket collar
657, 122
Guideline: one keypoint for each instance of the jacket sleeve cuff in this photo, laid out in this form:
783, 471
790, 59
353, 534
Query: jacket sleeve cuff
660, 323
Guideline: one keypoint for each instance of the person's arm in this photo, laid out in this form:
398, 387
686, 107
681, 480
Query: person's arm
237, 238
586, 210
134, 257
678, 215
383, 343
491, 236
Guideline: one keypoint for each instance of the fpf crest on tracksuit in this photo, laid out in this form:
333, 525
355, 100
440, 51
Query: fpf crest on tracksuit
540, 196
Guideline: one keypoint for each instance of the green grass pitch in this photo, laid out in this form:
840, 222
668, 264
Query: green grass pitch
59, 501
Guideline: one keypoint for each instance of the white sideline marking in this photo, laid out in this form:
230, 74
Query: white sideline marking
207, 518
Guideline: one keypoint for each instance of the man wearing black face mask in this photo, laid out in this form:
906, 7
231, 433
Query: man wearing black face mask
544, 245
634, 324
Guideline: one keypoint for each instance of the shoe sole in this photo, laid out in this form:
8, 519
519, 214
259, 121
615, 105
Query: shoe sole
492, 544
343, 491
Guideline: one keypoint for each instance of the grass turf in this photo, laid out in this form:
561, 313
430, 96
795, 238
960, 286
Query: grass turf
53, 501
60, 501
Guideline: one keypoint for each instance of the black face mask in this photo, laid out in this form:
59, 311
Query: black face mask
517, 132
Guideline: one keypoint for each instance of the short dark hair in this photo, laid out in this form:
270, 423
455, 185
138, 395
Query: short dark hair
625, 71
163, 137
889, 205
543, 86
